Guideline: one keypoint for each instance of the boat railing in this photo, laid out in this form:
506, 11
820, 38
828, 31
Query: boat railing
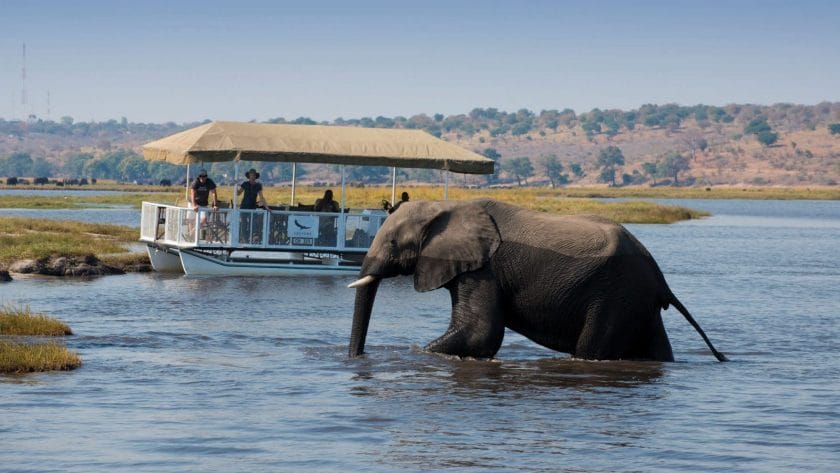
280, 229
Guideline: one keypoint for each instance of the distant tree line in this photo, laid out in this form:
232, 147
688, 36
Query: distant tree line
760, 122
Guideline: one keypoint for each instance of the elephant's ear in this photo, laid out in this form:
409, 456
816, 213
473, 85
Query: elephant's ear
457, 240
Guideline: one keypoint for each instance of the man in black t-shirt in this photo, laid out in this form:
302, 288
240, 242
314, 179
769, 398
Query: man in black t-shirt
201, 190
253, 197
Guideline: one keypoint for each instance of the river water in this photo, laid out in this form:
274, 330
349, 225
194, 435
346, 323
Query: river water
250, 374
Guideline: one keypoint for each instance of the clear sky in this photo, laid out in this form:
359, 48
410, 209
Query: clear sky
184, 61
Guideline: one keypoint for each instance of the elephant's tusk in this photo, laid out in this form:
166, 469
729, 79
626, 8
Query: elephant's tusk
361, 282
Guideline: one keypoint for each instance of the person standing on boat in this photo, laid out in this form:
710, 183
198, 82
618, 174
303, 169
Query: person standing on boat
326, 203
201, 190
253, 197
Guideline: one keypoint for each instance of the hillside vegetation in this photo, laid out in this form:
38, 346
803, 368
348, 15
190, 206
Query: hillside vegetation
655, 145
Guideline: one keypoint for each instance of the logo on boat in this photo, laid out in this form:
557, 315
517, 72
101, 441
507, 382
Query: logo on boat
304, 226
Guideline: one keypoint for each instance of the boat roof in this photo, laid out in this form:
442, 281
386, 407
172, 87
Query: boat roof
237, 141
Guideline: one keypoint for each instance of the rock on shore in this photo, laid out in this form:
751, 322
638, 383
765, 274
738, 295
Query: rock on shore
65, 266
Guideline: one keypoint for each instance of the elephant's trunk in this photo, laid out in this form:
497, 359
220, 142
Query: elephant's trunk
365, 295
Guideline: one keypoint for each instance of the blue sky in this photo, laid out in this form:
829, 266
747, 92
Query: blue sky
184, 61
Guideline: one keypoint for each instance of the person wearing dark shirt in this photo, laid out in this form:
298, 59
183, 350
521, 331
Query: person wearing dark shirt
403, 198
201, 190
326, 203
252, 189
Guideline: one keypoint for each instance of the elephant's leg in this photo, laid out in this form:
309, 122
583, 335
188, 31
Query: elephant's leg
623, 331
477, 325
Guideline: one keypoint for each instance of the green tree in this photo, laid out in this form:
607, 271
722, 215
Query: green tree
554, 170
609, 159
834, 128
652, 170
757, 125
607, 175
520, 168
577, 170
74, 166
673, 164
493, 154
42, 168
368, 174
17, 164
133, 168
767, 138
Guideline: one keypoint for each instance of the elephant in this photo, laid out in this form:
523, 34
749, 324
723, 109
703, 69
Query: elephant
582, 285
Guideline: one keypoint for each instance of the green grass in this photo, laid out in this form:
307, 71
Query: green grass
22, 322
29, 238
19, 355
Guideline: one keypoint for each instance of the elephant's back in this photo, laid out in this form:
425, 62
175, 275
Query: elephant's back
572, 235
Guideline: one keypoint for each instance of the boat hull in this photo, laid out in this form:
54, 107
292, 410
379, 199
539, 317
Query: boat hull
164, 260
199, 264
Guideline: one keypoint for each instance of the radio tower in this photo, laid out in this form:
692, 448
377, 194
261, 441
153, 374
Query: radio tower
25, 120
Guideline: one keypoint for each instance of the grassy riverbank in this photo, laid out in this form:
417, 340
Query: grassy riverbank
29, 238
30, 354
561, 201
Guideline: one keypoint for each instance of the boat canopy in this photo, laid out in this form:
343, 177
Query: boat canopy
236, 141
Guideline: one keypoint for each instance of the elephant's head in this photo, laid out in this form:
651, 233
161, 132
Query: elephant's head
436, 241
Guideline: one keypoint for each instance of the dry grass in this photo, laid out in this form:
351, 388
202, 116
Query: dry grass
25, 356
17, 357
546, 200
21, 321
29, 238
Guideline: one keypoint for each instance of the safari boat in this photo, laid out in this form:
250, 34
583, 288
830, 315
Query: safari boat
288, 240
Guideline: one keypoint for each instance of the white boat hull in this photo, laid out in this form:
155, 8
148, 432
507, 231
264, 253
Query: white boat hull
198, 264
164, 260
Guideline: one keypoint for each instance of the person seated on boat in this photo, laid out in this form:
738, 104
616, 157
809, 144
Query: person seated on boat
326, 203
253, 197
403, 198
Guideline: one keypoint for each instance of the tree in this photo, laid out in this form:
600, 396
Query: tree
74, 166
493, 154
368, 174
695, 142
652, 170
607, 175
42, 168
577, 170
673, 164
554, 170
767, 138
520, 168
17, 164
834, 128
609, 159
759, 127
133, 168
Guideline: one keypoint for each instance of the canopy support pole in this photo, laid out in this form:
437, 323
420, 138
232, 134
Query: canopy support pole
393, 185
187, 186
235, 180
445, 185
343, 188
234, 221
294, 181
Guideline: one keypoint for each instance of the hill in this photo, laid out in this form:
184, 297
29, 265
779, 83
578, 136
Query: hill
781, 144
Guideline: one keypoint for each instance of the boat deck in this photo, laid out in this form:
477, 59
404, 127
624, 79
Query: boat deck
276, 239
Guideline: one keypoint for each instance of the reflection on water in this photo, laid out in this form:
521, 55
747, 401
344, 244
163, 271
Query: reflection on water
251, 374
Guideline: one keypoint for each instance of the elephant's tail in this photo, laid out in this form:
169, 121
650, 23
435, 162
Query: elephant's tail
678, 305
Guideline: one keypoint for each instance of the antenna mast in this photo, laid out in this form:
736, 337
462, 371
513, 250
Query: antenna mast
23, 81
